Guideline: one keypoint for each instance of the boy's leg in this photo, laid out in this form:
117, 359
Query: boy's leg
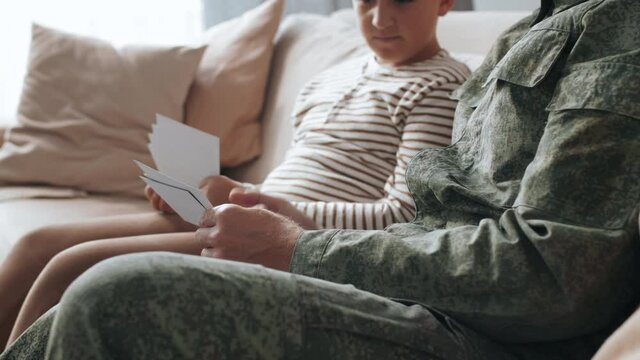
166, 306
72, 262
33, 251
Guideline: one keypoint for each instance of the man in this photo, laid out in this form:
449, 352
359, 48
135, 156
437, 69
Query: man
525, 244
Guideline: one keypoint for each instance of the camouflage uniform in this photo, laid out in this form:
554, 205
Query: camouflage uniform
526, 234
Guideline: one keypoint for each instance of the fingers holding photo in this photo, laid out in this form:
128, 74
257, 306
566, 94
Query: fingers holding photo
156, 201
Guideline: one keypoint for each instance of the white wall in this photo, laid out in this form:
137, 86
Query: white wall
120, 21
506, 4
216, 11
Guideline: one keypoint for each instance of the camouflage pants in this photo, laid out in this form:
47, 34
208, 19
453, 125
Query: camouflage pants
167, 306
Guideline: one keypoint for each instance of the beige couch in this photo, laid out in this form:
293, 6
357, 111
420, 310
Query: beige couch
305, 45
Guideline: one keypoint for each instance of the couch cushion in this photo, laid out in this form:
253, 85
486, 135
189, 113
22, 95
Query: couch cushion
18, 217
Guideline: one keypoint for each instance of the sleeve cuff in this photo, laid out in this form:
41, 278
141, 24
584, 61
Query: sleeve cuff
309, 250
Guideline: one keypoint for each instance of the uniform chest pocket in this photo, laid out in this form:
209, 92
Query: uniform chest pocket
532, 58
611, 87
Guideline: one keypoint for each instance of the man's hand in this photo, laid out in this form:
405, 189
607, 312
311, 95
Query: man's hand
251, 235
217, 189
156, 201
250, 198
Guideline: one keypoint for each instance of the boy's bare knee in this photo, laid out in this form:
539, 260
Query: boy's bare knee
60, 268
39, 245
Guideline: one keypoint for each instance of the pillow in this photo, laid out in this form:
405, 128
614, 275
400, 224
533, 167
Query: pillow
228, 93
86, 109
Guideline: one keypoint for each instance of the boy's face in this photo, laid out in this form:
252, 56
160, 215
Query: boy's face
401, 31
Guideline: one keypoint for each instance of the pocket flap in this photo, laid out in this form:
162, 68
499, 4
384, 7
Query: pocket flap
470, 93
613, 87
531, 59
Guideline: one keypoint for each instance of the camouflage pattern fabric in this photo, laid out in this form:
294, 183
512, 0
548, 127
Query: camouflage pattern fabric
526, 234
169, 306
527, 226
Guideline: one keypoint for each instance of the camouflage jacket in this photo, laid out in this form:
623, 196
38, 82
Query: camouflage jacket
527, 226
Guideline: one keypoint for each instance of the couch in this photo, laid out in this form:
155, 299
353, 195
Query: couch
305, 45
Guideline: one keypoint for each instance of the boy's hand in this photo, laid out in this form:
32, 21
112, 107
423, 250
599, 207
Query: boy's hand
217, 189
250, 198
156, 201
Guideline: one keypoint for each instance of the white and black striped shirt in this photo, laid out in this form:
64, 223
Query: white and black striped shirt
357, 125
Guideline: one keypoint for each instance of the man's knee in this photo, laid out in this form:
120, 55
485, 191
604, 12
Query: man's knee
214, 306
143, 277
147, 282
119, 275
119, 293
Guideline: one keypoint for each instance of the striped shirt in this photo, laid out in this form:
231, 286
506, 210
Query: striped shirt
357, 125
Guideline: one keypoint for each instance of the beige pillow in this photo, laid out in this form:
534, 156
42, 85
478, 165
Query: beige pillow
228, 94
86, 109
